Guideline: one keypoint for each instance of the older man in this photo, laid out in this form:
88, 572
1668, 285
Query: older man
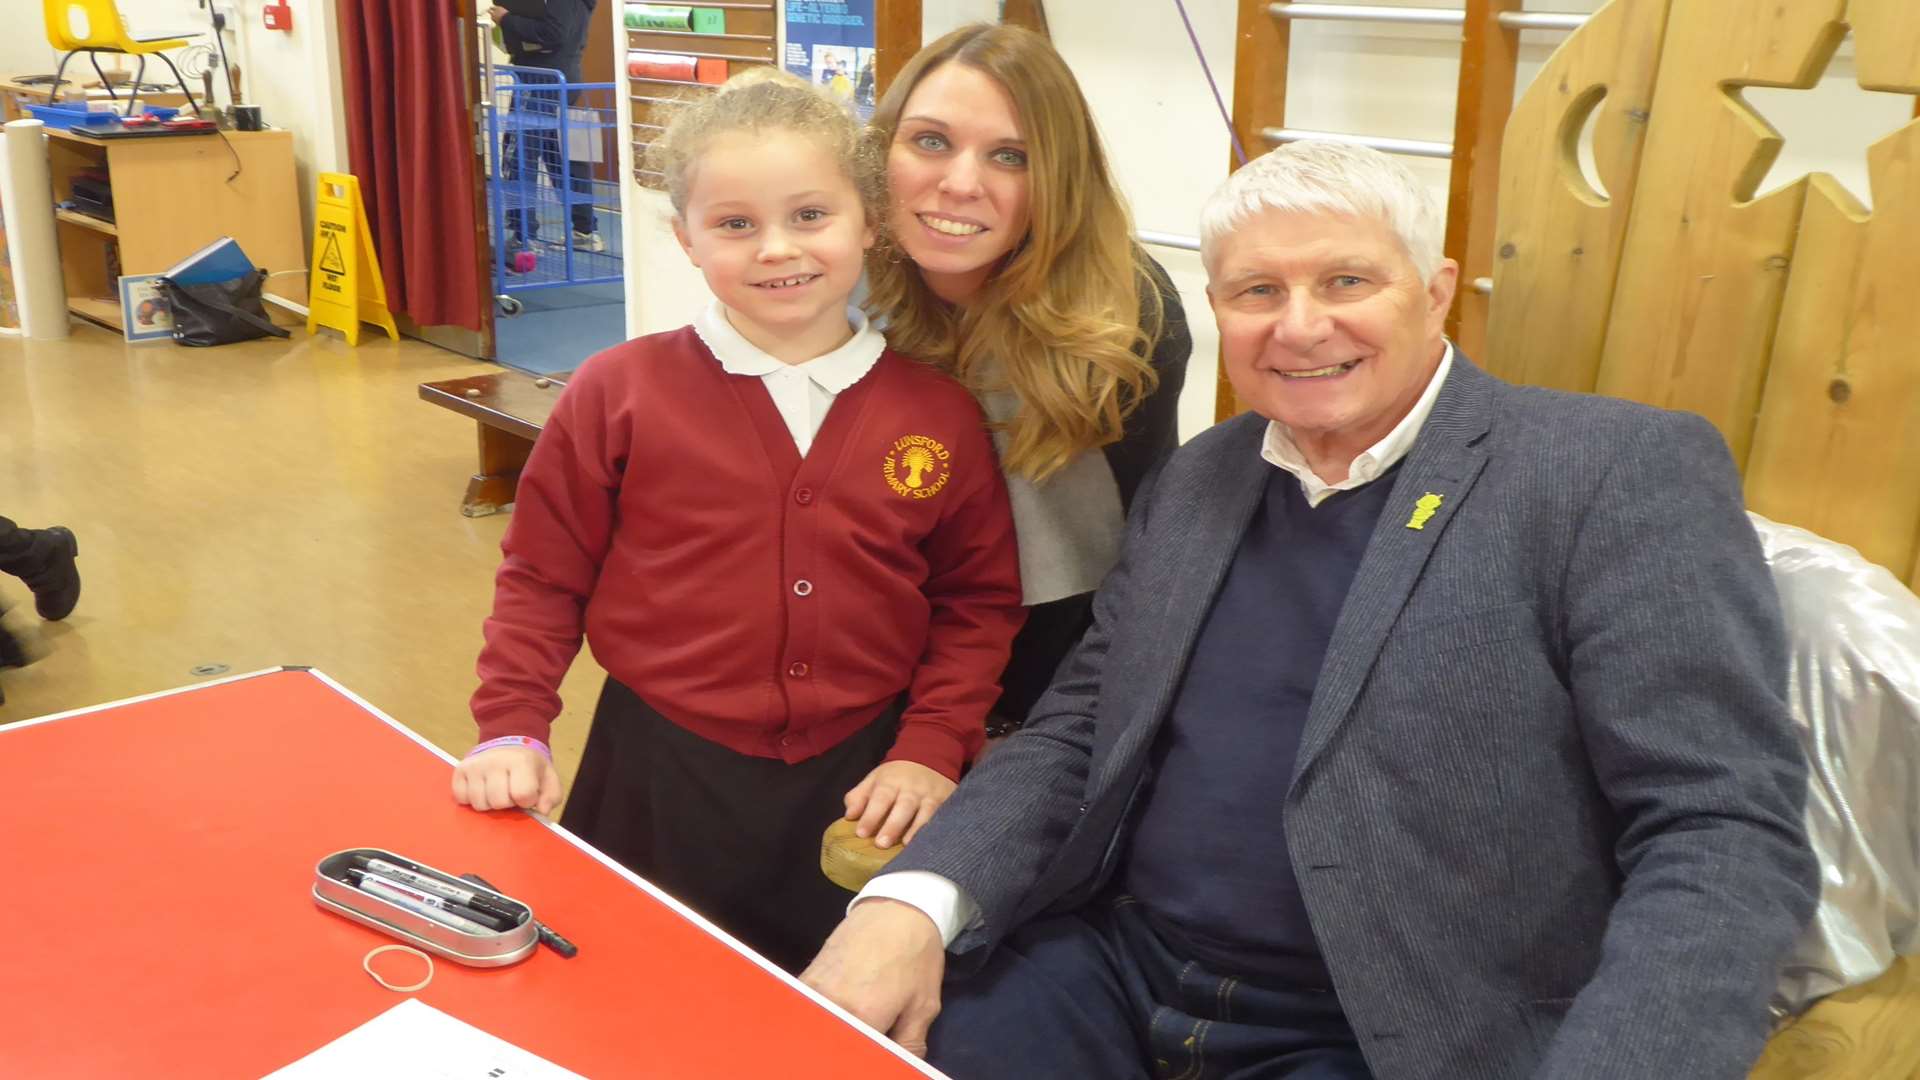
1430, 727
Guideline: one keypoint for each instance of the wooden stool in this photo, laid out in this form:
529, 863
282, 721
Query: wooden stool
849, 861
510, 407
1869, 1032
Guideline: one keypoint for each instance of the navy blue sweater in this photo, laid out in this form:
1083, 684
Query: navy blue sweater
1208, 855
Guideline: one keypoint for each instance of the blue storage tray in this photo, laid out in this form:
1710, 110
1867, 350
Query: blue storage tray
73, 114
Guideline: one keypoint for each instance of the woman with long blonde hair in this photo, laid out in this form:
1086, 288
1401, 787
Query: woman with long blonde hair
1010, 262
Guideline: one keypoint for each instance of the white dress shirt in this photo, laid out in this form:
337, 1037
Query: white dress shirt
802, 392
943, 901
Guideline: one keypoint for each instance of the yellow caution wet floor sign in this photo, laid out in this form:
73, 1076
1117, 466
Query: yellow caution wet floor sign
346, 284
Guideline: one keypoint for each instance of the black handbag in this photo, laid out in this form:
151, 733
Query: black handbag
219, 312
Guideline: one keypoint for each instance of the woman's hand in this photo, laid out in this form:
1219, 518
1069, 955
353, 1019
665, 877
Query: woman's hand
895, 800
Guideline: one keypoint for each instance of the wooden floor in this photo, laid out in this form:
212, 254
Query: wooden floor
250, 506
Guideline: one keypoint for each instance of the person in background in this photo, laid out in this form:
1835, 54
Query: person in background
1010, 262
45, 559
554, 39
789, 546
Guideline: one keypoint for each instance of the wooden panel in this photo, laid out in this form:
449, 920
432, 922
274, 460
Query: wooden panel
1488, 55
1836, 448
896, 38
1869, 1032
480, 271
596, 63
1558, 242
1705, 268
1260, 54
88, 265
257, 205
1031, 14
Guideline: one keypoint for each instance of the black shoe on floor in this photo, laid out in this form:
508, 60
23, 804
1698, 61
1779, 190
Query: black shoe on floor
50, 572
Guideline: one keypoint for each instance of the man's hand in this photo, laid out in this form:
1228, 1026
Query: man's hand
506, 777
496, 13
895, 800
883, 964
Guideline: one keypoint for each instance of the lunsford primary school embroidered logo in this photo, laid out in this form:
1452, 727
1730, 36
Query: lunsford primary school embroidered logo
917, 467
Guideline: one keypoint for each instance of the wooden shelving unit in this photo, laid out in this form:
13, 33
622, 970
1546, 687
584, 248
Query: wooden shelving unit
173, 196
749, 38
87, 222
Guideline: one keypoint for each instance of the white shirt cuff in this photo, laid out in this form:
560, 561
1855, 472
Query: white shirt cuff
937, 897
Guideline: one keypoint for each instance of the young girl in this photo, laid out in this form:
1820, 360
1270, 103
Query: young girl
790, 547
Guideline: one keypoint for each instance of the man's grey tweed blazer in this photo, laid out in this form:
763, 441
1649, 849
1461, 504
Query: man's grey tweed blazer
1547, 813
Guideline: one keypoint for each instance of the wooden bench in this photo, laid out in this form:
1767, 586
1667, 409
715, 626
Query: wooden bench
510, 408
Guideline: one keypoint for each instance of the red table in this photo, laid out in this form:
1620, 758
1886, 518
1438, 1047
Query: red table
156, 865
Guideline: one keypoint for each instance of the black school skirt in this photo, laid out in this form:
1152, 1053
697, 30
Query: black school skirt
733, 836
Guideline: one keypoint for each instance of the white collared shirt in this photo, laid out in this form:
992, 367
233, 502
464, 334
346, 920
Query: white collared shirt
1279, 448
802, 392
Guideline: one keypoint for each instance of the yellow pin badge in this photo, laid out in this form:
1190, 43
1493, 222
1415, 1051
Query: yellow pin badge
1423, 510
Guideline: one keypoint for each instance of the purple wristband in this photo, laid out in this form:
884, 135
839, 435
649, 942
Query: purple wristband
510, 740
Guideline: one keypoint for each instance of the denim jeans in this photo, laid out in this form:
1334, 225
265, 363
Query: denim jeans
1097, 994
527, 152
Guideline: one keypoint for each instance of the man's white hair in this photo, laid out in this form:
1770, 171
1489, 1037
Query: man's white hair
1316, 176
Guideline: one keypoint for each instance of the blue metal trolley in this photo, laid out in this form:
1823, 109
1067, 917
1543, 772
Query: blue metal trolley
552, 192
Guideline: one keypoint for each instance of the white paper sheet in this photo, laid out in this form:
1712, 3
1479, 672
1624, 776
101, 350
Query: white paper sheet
417, 1041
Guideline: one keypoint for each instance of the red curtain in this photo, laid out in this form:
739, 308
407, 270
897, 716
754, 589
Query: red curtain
403, 62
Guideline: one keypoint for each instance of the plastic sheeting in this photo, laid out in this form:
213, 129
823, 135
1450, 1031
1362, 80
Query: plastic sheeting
1854, 632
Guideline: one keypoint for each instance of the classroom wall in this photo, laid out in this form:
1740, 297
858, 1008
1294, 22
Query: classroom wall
1169, 146
295, 79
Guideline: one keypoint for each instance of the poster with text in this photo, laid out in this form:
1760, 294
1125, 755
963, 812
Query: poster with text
830, 43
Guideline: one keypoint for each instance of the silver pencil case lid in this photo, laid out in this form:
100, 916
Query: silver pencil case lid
335, 892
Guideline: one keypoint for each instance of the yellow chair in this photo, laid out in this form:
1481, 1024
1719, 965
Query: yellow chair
95, 26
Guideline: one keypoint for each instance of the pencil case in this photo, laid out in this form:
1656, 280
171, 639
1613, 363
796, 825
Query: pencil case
385, 891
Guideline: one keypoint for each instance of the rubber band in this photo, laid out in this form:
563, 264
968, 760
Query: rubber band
511, 740
366, 962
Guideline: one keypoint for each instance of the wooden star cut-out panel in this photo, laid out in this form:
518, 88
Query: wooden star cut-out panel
1785, 319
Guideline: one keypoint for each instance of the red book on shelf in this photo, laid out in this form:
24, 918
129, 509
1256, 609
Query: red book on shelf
652, 65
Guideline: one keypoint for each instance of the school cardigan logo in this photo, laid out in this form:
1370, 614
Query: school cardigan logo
917, 467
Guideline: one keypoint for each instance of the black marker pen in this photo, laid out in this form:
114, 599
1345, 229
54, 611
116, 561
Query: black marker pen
463, 917
548, 934
430, 884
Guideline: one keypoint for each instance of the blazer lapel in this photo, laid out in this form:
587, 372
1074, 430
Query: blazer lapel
1445, 461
